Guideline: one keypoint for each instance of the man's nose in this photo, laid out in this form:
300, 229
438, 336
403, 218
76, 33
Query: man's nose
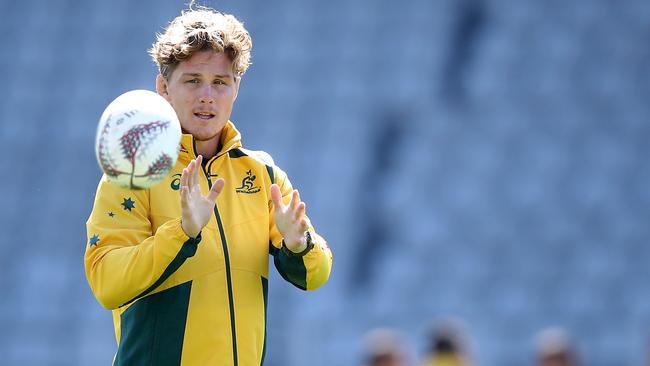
206, 94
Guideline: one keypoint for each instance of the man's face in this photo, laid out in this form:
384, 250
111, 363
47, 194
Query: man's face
202, 90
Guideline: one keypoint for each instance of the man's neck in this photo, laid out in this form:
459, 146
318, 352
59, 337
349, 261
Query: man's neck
208, 148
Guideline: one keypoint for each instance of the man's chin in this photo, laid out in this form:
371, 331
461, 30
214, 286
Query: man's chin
200, 137
203, 133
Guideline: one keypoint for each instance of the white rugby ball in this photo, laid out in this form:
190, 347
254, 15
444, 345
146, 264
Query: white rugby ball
138, 139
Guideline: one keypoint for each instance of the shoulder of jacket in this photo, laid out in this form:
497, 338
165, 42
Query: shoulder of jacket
259, 155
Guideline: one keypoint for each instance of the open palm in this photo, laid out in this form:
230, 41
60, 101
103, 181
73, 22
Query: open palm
196, 209
290, 219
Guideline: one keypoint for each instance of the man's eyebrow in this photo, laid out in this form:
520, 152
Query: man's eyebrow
196, 75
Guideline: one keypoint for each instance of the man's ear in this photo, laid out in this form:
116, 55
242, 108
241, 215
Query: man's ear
161, 86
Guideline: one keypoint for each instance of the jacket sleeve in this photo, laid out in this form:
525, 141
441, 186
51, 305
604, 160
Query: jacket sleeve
124, 260
310, 271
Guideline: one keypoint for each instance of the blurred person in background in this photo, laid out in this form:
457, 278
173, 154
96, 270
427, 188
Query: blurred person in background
384, 347
554, 348
448, 344
186, 274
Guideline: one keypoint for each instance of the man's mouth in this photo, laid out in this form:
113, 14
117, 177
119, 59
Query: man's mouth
204, 115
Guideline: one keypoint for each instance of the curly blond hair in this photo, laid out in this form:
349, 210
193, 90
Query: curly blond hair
202, 29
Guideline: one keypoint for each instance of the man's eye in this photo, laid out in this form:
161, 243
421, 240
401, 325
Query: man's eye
219, 82
193, 81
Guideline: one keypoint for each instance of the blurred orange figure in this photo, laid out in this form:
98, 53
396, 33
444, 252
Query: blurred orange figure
554, 348
384, 347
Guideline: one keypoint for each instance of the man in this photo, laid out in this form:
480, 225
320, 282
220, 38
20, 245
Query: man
187, 279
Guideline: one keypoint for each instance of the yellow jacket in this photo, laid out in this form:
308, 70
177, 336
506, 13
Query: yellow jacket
202, 301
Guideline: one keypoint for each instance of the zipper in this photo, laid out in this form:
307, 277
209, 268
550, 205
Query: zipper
226, 257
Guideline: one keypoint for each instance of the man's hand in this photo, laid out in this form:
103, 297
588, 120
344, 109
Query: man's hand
290, 219
196, 209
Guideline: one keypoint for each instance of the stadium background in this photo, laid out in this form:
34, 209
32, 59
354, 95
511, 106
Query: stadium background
484, 159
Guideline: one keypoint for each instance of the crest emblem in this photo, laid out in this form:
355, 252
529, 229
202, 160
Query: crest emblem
247, 185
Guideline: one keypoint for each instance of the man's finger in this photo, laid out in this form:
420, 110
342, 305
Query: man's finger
184, 177
303, 225
276, 197
197, 168
300, 211
295, 198
192, 178
217, 187
190, 173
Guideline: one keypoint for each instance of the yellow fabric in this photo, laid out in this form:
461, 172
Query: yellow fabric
133, 237
445, 360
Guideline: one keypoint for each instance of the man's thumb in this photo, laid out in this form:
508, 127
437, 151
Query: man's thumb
217, 187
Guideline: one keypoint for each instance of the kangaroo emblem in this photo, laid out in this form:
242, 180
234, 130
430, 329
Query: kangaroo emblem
247, 184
